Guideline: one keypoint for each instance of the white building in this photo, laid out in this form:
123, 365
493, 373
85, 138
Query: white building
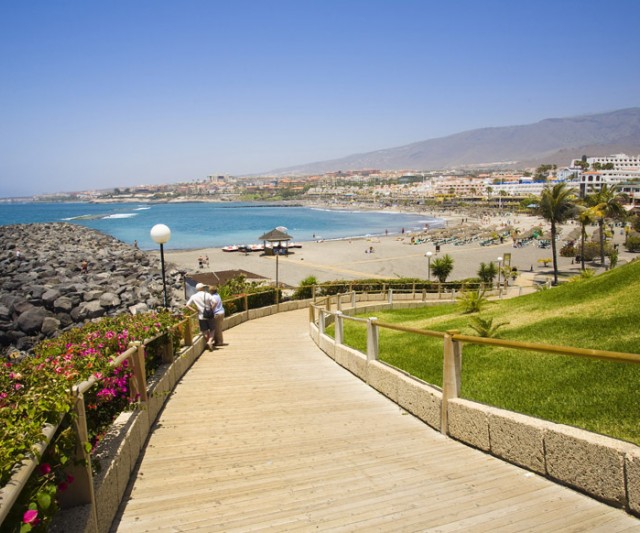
526, 188
620, 162
592, 181
625, 168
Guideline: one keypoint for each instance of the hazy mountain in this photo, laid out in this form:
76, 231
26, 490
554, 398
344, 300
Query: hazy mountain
554, 140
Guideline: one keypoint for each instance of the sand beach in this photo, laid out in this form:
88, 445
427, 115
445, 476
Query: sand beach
399, 255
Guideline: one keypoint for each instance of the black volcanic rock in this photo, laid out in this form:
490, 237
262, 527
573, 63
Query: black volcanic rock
43, 289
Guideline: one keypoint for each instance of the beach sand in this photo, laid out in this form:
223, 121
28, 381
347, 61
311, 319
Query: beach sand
393, 256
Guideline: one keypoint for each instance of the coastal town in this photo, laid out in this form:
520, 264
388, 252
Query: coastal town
404, 188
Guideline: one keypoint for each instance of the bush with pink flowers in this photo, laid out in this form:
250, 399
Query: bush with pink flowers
35, 391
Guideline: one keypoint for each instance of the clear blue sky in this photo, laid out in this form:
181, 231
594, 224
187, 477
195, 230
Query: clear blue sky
114, 93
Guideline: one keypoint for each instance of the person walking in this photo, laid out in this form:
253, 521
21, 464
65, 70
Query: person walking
205, 304
218, 316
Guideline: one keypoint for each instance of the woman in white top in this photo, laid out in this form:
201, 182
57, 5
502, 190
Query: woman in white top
218, 312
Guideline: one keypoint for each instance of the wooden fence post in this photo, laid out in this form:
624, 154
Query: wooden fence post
452, 367
80, 491
312, 314
339, 328
353, 299
424, 295
167, 348
139, 371
188, 336
390, 295
321, 321
372, 339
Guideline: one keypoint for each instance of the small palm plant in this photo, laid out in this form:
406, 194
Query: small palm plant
472, 301
442, 267
587, 273
485, 327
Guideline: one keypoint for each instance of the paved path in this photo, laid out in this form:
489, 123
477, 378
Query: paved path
255, 438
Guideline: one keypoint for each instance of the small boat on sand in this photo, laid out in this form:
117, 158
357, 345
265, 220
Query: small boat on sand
232, 248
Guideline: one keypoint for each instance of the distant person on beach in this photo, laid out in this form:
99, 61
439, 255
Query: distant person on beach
135, 244
218, 316
84, 266
204, 303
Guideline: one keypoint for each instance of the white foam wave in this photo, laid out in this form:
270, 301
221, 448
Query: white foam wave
120, 215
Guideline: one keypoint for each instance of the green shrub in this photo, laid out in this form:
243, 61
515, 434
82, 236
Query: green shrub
306, 288
568, 250
632, 244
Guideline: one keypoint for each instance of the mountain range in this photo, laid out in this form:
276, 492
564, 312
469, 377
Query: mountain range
550, 141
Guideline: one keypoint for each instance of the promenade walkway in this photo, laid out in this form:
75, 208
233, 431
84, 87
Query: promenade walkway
268, 433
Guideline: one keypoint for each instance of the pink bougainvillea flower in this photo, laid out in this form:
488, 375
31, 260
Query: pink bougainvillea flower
45, 468
18, 386
63, 486
30, 517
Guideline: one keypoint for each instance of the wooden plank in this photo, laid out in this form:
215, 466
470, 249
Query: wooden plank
254, 438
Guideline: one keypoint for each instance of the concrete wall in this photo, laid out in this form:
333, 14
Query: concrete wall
604, 468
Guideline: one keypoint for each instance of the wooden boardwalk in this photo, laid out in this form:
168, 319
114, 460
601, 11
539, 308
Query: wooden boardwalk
259, 438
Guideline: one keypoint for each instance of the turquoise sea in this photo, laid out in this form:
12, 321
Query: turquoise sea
205, 225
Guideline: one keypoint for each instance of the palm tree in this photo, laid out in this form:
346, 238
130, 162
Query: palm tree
606, 203
556, 206
442, 267
487, 273
585, 217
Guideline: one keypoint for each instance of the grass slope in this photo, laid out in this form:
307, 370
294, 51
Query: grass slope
599, 313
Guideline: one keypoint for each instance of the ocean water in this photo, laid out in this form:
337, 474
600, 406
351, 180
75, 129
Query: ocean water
205, 225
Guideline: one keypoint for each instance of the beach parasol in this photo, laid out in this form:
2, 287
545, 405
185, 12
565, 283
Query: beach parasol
278, 235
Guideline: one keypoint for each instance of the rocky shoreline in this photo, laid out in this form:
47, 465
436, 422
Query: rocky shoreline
44, 288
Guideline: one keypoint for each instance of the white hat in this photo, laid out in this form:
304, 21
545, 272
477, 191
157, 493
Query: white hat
200, 286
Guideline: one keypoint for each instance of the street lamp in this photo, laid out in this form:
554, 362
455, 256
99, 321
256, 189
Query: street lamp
428, 256
499, 269
161, 235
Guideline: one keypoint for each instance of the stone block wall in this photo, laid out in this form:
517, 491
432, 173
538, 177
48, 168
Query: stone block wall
604, 468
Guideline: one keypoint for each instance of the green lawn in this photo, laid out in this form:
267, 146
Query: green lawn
599, 313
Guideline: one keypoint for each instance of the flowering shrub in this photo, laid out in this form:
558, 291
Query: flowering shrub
36, 390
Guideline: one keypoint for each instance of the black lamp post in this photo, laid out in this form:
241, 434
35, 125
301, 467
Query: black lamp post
161, 234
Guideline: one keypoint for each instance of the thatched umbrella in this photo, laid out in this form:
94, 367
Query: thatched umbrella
278, 235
